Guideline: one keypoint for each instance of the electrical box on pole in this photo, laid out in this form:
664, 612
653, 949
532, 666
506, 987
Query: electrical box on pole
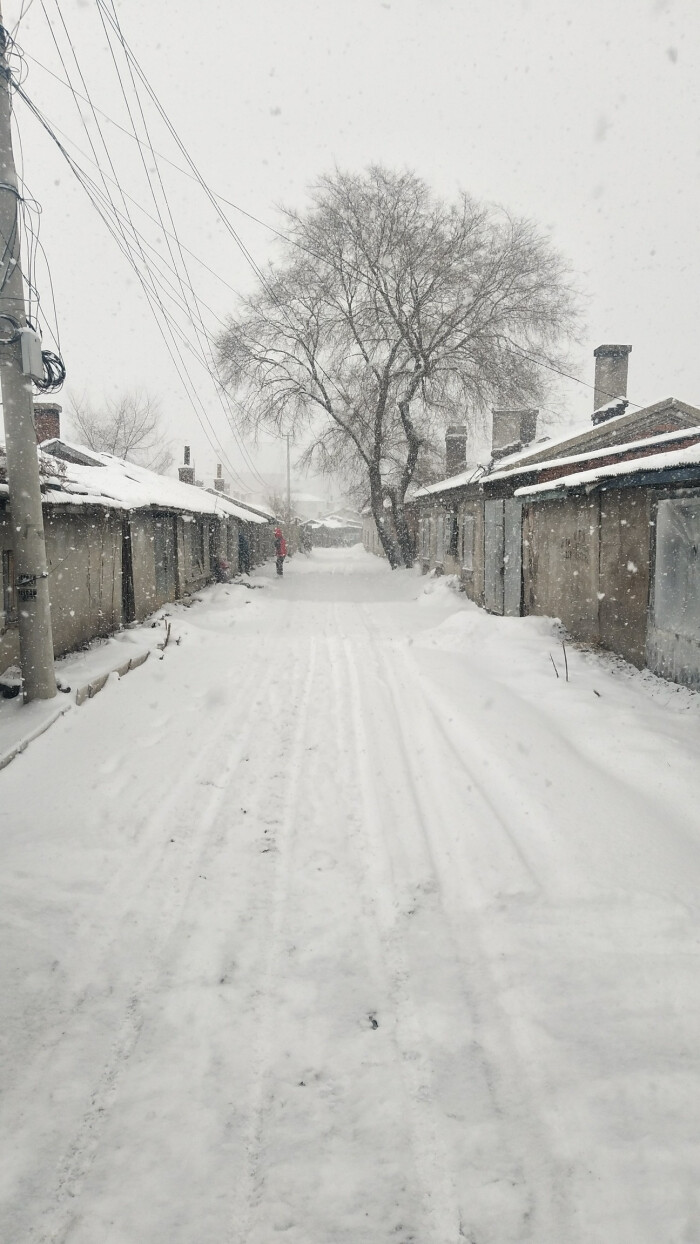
32, 362
19, 363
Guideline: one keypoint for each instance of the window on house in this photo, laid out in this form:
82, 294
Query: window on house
164, 553
198, 543
425, 538
9, 591
468, 542
440, 552
452, 534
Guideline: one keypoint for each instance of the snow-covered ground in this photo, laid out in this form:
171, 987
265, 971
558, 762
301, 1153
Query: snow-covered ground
348, 921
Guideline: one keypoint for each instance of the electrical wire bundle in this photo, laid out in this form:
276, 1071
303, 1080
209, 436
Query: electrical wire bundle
24, 236
164, 278
54, 373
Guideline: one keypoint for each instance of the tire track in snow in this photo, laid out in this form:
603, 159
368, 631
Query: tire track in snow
505, 859
173, 875
250, 1187
423, 809
378, 881
385, 878
524, 1134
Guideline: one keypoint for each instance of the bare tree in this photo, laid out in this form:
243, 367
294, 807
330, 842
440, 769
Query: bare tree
390, 314
276, 500
129, 426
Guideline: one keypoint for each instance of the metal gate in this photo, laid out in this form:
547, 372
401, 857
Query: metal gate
513, 558
673, 639
494, 545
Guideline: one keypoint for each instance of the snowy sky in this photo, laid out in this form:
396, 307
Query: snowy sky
584, 117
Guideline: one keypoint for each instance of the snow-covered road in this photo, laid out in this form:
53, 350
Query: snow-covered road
349, 922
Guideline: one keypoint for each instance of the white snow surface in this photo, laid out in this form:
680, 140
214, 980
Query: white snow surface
114, 483
467, 476
348, 921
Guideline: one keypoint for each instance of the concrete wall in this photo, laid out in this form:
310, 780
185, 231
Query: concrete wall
470, 546
473, 580
560, 563
193, 553
170, 557
370, 536
9, 637
232, 529
83, 549
624, 561
587, 561
149, 594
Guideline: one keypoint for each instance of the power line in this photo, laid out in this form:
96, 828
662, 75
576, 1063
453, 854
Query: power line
150, 291
22, 14
566, 375
107, 205
210, 195
212, 362
215, 199
217, 380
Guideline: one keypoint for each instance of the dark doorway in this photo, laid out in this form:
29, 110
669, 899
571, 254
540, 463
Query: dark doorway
128, 602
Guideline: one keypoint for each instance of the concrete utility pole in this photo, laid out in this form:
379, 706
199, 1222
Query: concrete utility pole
289, 484
31, 574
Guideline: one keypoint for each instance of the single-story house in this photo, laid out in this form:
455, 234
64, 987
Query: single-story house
121, 541
613, 550
569, 527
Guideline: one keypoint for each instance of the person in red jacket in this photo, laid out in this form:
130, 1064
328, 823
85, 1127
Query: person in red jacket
280, 549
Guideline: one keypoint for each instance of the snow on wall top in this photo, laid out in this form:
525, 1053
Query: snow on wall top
690, 456
453, 481
587, 432
662, 438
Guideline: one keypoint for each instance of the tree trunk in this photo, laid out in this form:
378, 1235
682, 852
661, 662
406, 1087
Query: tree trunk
380, 517
398, 495
403, 532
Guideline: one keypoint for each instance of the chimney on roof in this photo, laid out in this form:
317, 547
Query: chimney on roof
455, 449
219, 482
610, 376
512, 430
186, 472
47, 421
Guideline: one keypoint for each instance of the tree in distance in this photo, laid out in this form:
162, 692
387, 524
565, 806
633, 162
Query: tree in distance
390, 314
129, 426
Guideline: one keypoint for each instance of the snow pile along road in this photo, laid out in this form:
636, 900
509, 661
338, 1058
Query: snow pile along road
349, 921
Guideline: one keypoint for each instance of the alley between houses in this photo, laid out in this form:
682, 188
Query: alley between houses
352, 920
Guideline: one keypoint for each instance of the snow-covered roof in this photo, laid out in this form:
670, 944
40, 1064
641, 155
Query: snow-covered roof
453, 481
332, 523
662, 438
690, 456
546, 443
226, 505
75, 475
255, 508
587, 431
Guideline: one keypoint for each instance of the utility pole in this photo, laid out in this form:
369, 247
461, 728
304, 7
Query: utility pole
16, 343
289, 484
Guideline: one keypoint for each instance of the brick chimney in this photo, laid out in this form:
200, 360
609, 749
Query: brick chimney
47, 421
512, 430
610, 376
455, 449
219, 482
186, 472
